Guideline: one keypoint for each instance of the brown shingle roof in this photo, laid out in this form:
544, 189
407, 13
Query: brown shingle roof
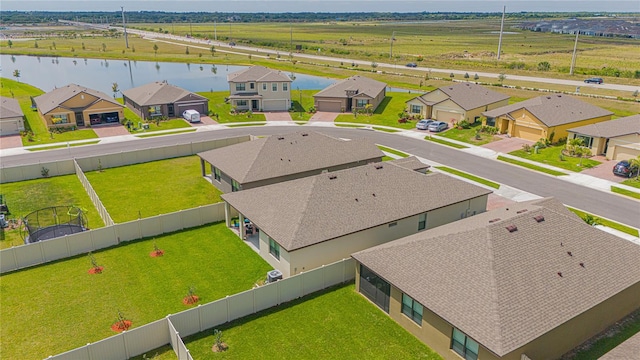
158, 92
53, 99
9, 108
360, 84
281, 155
553, 110
469, 96
258, 73
505, 289
612, 128
411, 163
307, 211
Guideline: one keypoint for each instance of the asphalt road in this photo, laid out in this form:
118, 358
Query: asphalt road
611, 206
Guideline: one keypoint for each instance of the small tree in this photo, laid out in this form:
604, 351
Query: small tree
114, 88
213, 50
635, 162
476, 77
186, 51
35, 45
374, 65
10, 43
452, 75
155, 49
635, 93
53, 44
574, 144
104, 47
16, 74
501, 78
544, 66
83, 48
466, 75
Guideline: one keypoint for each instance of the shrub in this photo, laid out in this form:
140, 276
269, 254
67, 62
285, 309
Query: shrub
464, 124
526, 148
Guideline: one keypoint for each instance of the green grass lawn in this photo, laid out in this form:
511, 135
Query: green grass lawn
393, 151
469, 176
59, 306
530, 166
153, 188
23, 197
23, 92
223, 109
331, 324
63, 146
386, 114
625, 192
152, 134
632, 182
551, 156
469, 135
608, 343
608, 223
301, 102
445, 142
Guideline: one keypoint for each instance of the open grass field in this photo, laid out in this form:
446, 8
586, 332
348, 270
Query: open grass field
59, 306
23, 197
23, 92
153, 188
336, 323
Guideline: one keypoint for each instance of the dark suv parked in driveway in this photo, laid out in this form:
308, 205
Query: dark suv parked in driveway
624, 168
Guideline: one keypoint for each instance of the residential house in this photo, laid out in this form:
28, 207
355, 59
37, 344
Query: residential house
75, 105
545, 117
161, 99
350, 94
456, 102
259, 89
617, 139
11, 117
305, 223
279, 158
528, 281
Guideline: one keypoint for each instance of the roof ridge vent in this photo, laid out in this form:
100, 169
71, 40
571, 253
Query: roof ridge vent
512, 228
305, 134
280, 137
539, 218
333, 177
494, 220
521, 211
378, 166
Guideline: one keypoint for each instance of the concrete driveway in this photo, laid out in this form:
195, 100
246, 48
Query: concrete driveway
110, 130
277, 116
10, 141
322, 116
604, 170
204, 120
507, 144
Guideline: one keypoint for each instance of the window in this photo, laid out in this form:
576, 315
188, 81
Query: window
264, 86
234, 186
491, 121
154, 110
60, 119
274, 87
240, 87
216, 173
285, 86
464, 345
361, 103
252, 86
586, 140
412, 309
416, 109
422, 221
374, 288
241, 102
274, 249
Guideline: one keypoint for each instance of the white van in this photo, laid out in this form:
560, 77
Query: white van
191, 116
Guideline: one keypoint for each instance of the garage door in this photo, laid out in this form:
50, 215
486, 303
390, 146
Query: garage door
197, 107
274, 105
447, 116
528, 133
624, 153
330, 106
9, 128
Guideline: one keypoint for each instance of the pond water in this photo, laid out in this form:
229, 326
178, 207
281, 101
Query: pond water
47, 73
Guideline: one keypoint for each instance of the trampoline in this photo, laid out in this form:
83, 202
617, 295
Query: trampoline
53, 222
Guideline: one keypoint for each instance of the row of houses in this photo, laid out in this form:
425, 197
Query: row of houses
527, 281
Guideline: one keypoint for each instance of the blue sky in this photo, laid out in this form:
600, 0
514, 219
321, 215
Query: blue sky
326, 5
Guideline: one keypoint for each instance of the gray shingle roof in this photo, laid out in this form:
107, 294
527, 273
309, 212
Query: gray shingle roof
504, 288
612, 128
281, 155
362, 85
158, 92
53, 99
553, 110
411, 163
469, 96
9, 108
258, 73
307, 211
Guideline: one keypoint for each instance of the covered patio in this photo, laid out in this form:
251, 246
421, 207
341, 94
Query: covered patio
239, 224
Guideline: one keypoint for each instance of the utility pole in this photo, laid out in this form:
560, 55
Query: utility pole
290, 38
124, 26
215, 30
573, 57
504, 9
393, 37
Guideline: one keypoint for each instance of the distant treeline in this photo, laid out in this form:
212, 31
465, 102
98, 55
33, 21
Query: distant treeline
34, 17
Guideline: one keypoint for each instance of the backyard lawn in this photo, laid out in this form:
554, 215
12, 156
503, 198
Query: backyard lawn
23, 197
23, 92
336, 323
59, 306
153, 188
302, 101
386, 114
551, 156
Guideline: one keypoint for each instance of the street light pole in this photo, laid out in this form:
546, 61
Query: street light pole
393, 37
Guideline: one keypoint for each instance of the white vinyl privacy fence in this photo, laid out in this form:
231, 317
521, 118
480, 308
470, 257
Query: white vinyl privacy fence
172, 329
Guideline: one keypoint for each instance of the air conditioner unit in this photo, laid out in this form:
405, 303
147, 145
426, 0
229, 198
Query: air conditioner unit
274, 275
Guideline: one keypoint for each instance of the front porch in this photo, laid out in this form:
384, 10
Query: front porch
246, 102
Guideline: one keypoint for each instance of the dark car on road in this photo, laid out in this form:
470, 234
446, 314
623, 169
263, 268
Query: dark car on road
594, 80
624, 168
412, 65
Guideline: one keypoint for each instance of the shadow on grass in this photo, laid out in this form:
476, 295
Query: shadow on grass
383, 105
